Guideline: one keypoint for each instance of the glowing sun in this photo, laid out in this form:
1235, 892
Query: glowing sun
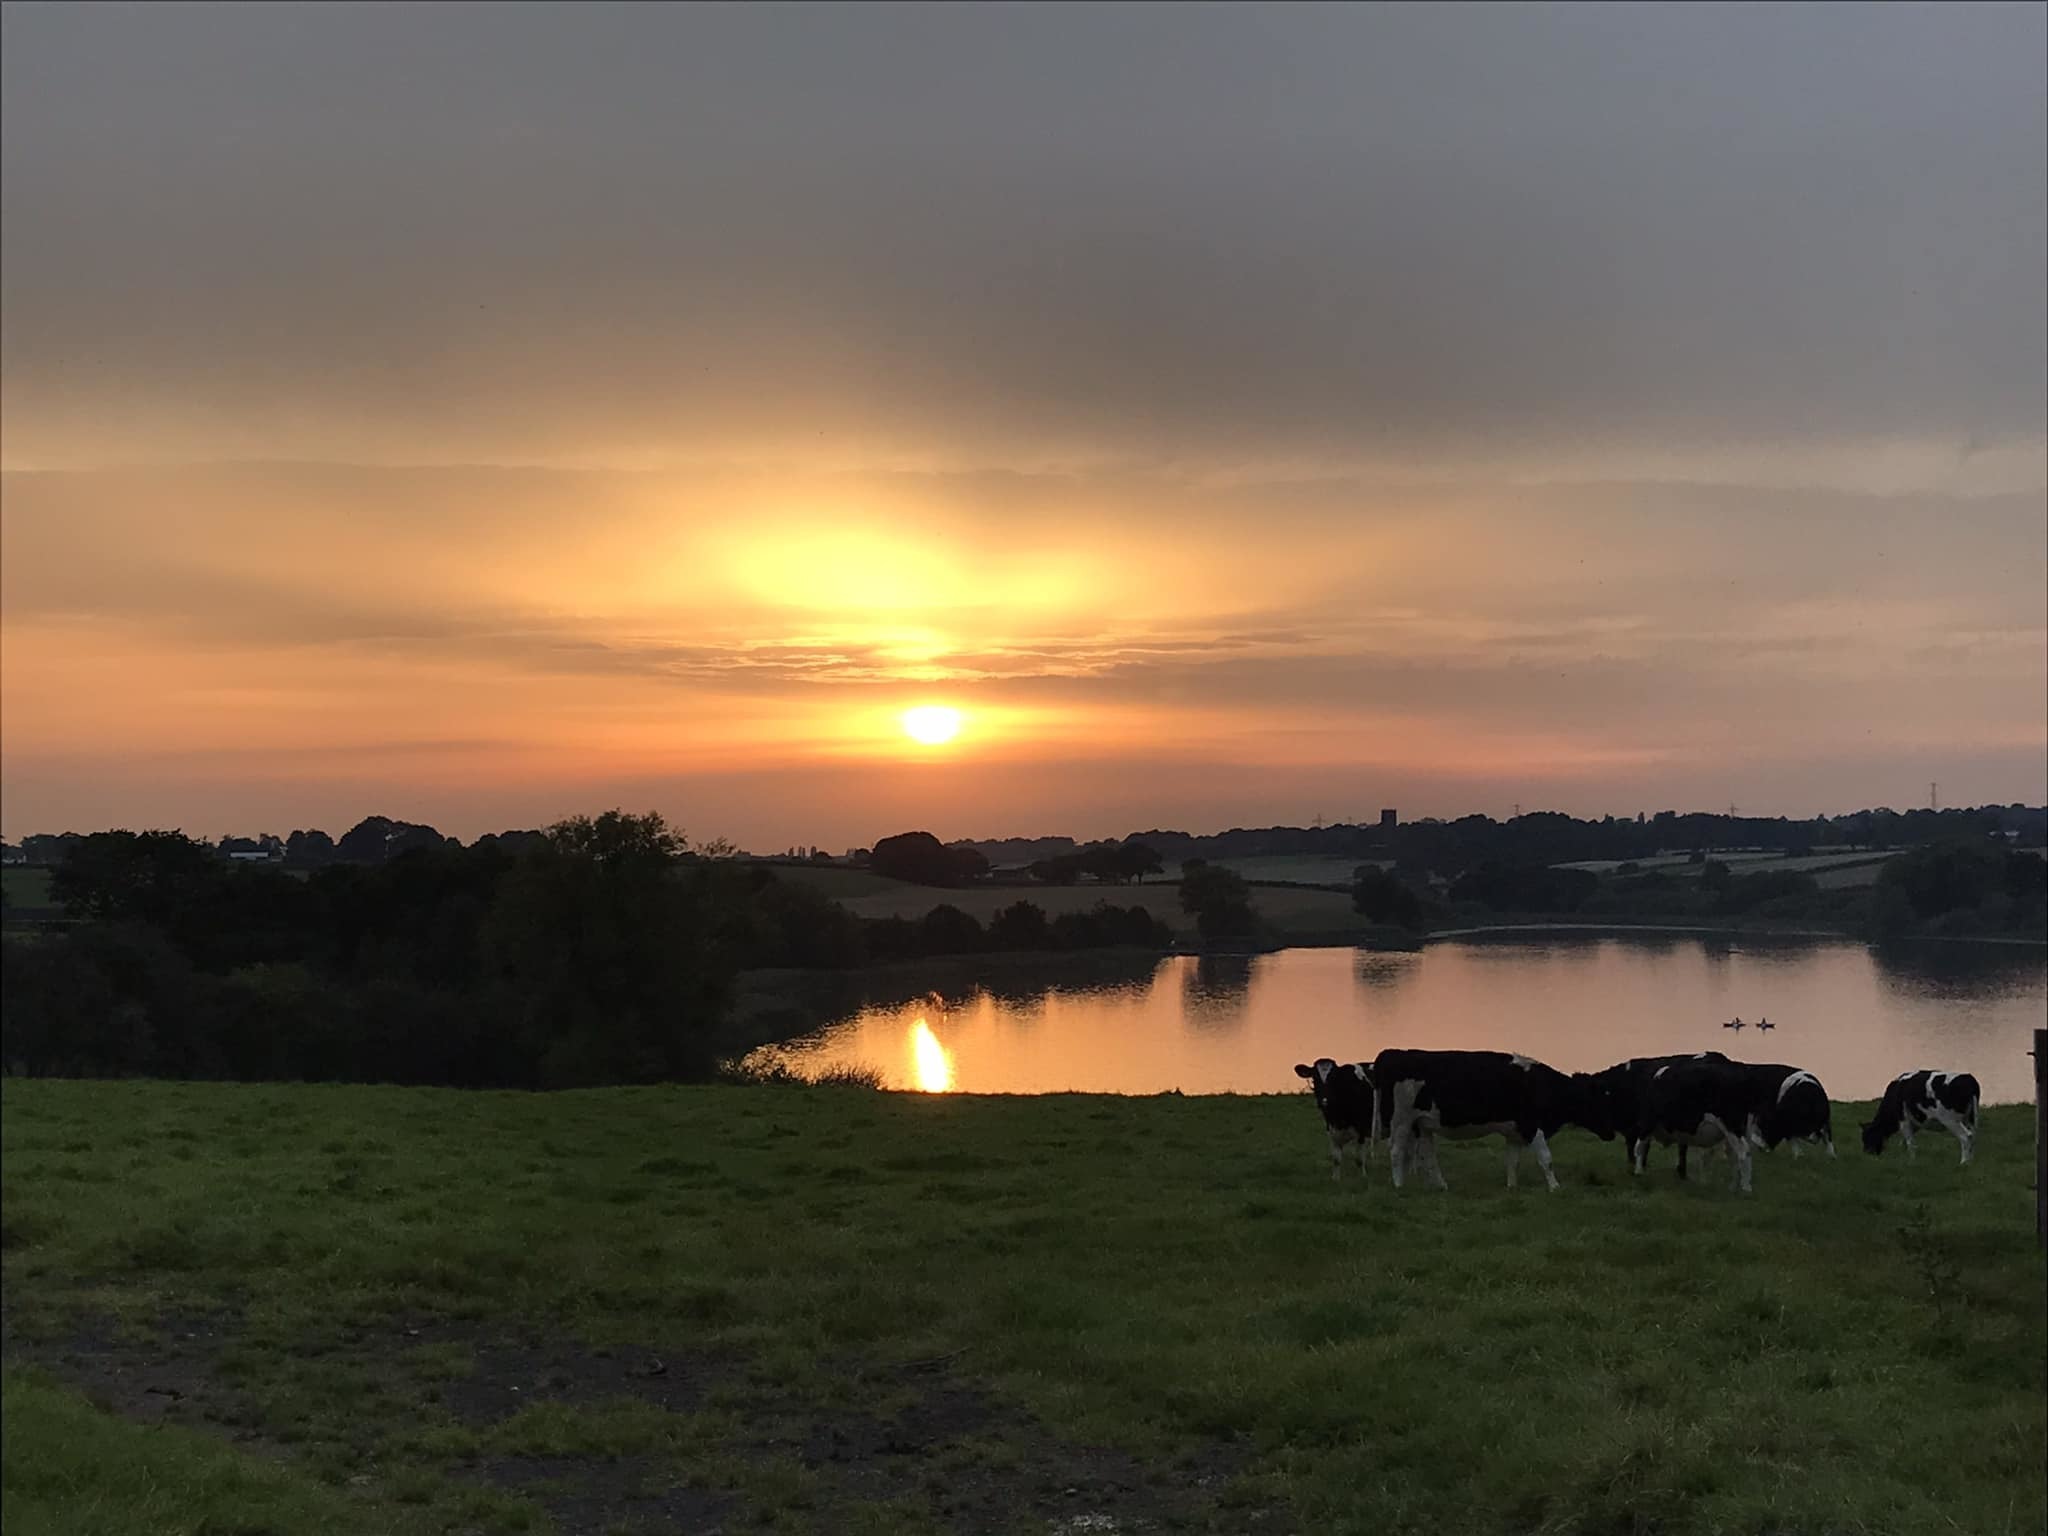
931, 724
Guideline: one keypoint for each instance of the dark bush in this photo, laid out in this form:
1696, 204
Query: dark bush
1021, 925
1382, 897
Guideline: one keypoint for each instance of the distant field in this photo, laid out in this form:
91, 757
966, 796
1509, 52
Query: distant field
420, 1312
1834, 877
1308, 868
1299, 912
1746, 863
839, 882
26, 887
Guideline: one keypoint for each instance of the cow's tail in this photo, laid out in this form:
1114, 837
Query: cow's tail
1373, 1134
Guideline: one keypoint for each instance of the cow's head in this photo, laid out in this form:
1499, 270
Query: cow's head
1333, 1080
1599, 1099
1873, 1138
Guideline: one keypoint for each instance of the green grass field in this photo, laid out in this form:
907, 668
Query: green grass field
826, 1309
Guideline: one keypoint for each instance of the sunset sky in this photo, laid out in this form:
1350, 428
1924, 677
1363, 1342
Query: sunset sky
477, 415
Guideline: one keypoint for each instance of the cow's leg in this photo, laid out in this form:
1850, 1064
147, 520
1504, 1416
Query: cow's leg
1682, 1149
1422, 1156
1906, 1134
1642, 1152
1435, 1169
1336, 1157
1403, 1142
1738, 1155
1542, 1145
1950, 1121
1794, 1145
1514, 1160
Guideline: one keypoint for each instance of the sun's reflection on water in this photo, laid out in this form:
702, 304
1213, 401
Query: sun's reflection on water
931, 1064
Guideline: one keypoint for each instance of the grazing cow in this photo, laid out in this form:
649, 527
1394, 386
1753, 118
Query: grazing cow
1420, 1095
1788, 1104
1948, 1099
1623, 1087
1697, 1104
1344, 1095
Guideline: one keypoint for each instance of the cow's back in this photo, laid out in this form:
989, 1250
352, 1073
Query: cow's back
1473, 1087
1677, 1096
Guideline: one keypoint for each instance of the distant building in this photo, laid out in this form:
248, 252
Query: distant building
1389, 819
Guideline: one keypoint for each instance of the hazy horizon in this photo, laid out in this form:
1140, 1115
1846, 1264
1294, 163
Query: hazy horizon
479, 415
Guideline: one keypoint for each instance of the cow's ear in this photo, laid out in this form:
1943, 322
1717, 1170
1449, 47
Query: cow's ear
1301, 1069
1359, 1068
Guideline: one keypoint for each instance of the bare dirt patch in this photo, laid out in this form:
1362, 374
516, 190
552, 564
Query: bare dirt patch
634, 1493
510, 1375
914, 1435
166, 1372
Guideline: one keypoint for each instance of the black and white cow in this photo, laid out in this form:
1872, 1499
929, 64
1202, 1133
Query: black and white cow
1916, 1099
1788, 1105
1344, 1095
1622, 1087
1421, 1095
1697, 1104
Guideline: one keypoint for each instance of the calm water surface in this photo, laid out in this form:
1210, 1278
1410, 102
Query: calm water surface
1238, 1024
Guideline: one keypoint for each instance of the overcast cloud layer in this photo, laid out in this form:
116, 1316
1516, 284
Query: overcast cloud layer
1598, 406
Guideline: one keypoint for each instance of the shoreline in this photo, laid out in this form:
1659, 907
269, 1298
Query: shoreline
1733, 932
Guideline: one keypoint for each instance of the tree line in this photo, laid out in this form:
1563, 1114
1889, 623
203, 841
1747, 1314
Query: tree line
1963, 887
1449, 847
602, 950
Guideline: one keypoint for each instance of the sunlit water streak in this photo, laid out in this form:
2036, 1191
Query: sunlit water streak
931, 1064
1217, 1024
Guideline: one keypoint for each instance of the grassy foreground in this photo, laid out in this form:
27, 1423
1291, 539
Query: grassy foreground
337, 1308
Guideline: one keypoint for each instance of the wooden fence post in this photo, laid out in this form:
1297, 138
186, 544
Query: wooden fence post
2040, 1055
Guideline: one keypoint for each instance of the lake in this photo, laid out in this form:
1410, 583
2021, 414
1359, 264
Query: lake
1237, 1024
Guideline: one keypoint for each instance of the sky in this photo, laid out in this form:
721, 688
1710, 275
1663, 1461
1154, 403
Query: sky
481, 414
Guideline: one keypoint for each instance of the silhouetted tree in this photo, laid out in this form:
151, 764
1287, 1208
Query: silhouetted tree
891, 938
377, 838
514, 843
1062, 869
603, 959
310, 848
787, 923
48, 848
1381, 897
922, 859
143, 877
1218, 899
946, 930
1021, 925
1135, 860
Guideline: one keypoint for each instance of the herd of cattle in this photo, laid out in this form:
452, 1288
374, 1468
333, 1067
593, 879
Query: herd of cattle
1704, 1100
